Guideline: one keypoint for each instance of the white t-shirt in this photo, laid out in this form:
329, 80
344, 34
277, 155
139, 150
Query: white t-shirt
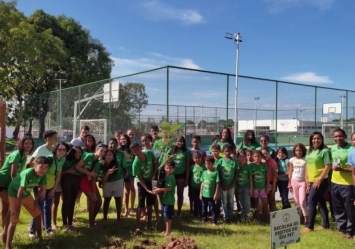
155, 152
41, 151
77, 142
299, 168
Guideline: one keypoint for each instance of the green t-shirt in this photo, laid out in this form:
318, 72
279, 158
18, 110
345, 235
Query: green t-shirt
244, 174
28, 180
168, 198
220, 143
144, 168
71, 165
340, 156
128, 161
227, 170
5, 171
181, 158
259, 173
90, 163
118, 174
55, 168
252, 146
316, 160
162, 147
209, 181
196, 173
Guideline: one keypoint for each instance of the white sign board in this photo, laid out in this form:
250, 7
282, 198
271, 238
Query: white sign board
285, 227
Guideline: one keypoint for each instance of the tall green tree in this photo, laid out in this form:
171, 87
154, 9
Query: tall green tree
26, 55
87, 60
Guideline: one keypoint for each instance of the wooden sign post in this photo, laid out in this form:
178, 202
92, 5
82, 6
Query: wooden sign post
2, 131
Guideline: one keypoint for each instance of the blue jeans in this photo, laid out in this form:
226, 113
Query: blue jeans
212, 204
343, 205
244, 199
45, 206
316, 197
228, 203
282, 186
195, 198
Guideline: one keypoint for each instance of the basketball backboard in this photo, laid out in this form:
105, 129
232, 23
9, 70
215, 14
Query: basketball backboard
114, 92
332, 108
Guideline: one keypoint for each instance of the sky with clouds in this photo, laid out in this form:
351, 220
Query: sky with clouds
305, 41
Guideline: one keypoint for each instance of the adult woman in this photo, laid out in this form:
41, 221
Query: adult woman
70, 185
13, 165
182, 157
249, 141
318, 161
53, 177
224, 138
129, 189
87, 167
264, 144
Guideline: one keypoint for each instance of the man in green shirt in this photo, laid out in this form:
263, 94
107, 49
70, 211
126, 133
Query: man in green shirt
19, 195
168, 197
143, 168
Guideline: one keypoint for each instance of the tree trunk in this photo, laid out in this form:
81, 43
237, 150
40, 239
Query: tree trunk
42, 119
29, 132
19, 120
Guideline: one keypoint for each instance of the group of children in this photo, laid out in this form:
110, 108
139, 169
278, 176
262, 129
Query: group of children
249, 173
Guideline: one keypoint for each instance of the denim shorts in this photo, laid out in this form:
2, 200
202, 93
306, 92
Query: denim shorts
167, 211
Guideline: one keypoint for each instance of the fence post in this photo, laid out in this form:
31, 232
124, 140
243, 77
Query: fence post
276, 110
109, 131
346, 121
217, 126
185, 119
315, 108
227, 100
167, 93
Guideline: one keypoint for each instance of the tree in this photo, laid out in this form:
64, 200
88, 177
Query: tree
26, 55
202, 124
190, 122
87, 60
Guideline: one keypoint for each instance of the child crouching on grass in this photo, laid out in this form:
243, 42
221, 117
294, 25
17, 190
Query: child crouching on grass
209, 190
20, 195
168, 195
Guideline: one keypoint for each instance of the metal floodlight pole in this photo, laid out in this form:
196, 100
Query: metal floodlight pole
237, 38
60, 105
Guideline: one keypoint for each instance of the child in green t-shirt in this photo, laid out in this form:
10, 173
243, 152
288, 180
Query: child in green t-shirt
244, 184
209, 190
144, 169
168, 198
195, 183
259, 171
226, 168
19, 195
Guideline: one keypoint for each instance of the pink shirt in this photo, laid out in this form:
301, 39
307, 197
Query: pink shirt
272, 165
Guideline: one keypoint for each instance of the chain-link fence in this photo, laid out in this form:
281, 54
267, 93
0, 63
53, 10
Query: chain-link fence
202, 102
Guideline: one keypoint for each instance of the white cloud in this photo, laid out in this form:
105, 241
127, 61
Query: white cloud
161, 11
124, 66
277, 6
308, 77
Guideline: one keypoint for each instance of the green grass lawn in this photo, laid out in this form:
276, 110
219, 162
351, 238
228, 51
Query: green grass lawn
238, 235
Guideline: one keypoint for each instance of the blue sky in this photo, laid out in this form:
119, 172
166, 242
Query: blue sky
306, 41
